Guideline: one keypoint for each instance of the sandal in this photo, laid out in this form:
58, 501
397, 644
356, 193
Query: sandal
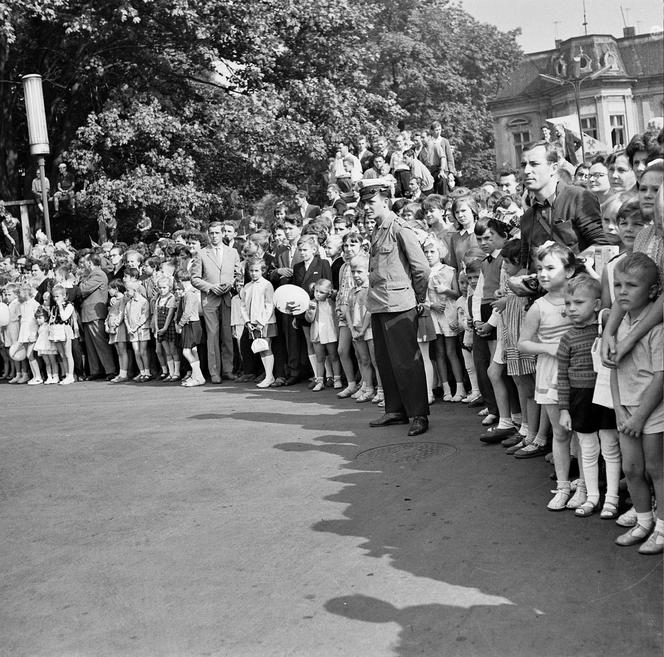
609, 511
586, 509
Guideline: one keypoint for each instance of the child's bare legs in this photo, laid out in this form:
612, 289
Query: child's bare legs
160, 351
196, 378
123, 359
495, 373
140, 362
267, 358
610, 448
455, 363
143, 350
652, 449
173, 356
428, 368
168, 349
525, 386
372, 354
33, 363
320, 353
51, 364
561, 458
469, 364
441, 366
364, 362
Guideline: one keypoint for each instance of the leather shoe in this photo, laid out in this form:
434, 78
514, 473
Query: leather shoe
477, 403
215, 379
95, 377
110, 377
291, 380
496, 436
387, 419
419, 425
228, 377
278, 382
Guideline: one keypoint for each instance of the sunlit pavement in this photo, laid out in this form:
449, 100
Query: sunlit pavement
223, 520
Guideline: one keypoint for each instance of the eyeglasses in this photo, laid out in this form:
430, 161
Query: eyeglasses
596, 176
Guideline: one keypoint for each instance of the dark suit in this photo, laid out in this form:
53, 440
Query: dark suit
306, 278
94, 290
574, 220
208, 271
366, 160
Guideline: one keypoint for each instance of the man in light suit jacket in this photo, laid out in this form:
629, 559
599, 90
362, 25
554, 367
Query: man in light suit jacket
215, 271
94, 290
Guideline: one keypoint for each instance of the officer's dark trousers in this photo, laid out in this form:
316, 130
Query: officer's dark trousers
400, 362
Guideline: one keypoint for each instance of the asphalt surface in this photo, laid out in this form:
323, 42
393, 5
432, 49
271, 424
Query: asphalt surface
147, 520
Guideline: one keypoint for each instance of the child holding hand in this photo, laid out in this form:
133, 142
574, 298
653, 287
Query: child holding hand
28, 329
324, 333
45, 348
137, 321
636, 387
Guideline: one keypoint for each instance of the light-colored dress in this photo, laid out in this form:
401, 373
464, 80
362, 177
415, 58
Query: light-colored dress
442, 275
324, 328
553, 325
137, 319
28, 328
257, 306
43, 346
115, 324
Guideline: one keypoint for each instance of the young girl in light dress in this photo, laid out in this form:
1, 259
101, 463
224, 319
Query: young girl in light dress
62, 324
11, 334
545, 324
116, 329
188, 325
45, 348
137, 321
324, 333
442, 293
28, 329
257, 308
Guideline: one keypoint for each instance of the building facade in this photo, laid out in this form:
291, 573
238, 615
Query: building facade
619, 83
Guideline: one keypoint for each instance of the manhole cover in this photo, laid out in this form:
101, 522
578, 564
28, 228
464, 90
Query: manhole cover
406, 453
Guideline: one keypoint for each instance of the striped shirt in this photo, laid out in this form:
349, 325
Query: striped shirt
575, 363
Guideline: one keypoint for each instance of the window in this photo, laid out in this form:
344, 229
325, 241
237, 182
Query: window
521, 139
589, 126
617, 129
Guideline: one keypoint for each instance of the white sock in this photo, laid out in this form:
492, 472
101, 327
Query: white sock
505, 423
196, 370
123, 373
516, 418
171, 368
314, 363
659, 525
523, 429
446, 388
176, 368
644, 519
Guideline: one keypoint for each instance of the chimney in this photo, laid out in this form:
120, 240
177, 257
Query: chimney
629, 32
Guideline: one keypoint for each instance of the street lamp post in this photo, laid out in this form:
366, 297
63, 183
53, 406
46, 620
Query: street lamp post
38, 134
576, 85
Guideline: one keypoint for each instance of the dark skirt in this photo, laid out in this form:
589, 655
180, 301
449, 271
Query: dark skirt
170, 335
191, 335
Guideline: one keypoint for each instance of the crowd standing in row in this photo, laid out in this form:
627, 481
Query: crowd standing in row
419, 289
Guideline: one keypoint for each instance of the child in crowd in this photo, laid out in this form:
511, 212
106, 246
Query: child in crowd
324, 333
358, 320
463, 324
116, 328
636, 386
351, 246
164, 330
12, 331
61, 331
545, 325
442, 293
45, 348
8, 371
189, 326
27, 332
576, 383
137, 321
257, 309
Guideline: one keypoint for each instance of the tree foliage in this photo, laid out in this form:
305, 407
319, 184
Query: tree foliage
188, 109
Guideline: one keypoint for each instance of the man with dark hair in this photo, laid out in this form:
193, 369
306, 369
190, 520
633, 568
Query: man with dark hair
376, 170
437, 155
398, 277
563, 213
363, 153
507, 181
94, 290
304, 208
418, 170
215, 271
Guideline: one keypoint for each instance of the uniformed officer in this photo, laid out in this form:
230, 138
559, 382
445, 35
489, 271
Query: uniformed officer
398, 276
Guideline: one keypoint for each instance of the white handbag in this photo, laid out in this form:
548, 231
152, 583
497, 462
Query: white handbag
602, 393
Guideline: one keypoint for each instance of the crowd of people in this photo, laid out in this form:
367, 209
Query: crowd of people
535, 298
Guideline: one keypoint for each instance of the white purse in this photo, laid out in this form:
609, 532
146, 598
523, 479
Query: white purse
602, 393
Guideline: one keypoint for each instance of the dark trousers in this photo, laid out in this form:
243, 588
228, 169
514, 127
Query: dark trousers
97, 348
400, 362
482, 360
218, 326
296, 352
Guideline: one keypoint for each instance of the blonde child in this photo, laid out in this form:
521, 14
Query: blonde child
324, 333
358, 320
545, 324
636, 387
137, 321
164, 330
11, 334
464, 323
257, 308
61, 331
27, 332
116, 328
7, 363
45, 348
442, 293
188, 326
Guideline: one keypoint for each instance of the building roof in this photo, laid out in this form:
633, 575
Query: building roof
634, 57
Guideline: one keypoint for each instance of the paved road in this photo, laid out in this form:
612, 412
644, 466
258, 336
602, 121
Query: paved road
153, 521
